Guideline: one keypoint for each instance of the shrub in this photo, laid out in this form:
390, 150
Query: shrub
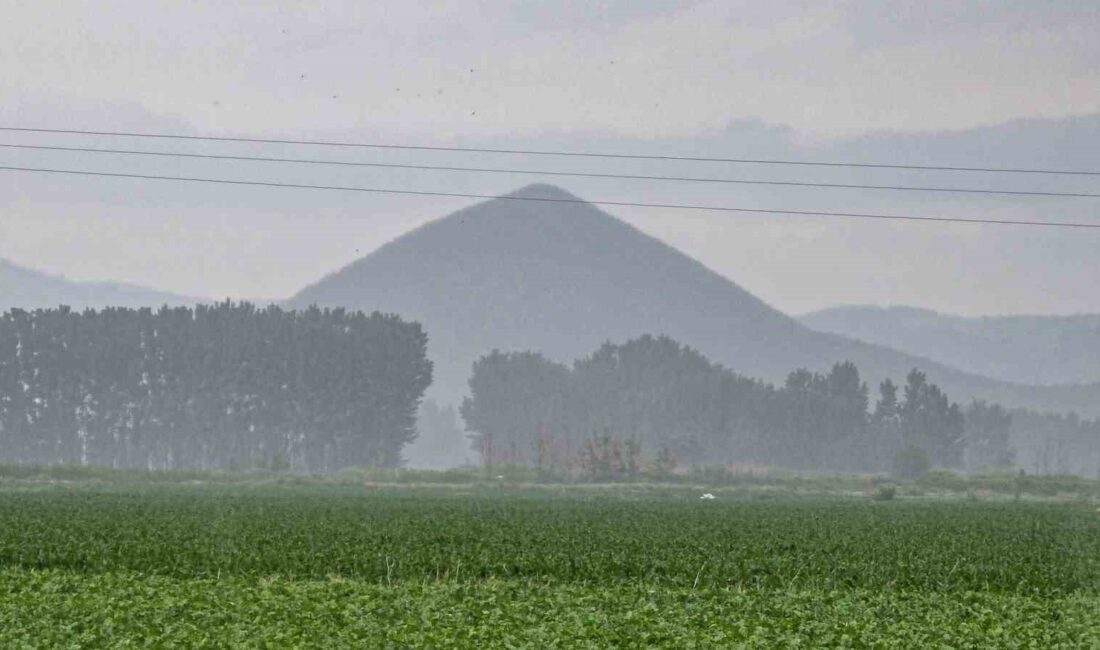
912, 463
886, 493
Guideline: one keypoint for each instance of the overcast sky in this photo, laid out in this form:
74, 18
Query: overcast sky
992, 83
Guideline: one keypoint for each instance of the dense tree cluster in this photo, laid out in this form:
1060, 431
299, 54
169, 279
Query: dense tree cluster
209, 386
987, 435
1056, 443
654, 398
658, 396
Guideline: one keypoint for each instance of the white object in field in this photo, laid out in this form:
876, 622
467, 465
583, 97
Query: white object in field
708, 496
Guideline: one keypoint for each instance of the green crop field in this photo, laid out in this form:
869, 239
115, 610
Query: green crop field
343, 566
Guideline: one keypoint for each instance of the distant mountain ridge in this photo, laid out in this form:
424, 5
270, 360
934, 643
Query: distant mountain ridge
25, 288
1022, 349
561, 278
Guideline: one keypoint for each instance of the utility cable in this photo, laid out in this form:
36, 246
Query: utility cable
535, 152
854, 215
543, 172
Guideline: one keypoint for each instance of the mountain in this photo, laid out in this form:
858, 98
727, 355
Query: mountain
28, 289
563, 277
1022, 349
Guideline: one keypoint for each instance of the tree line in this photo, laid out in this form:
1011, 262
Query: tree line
652, 400
224, 385
231, 385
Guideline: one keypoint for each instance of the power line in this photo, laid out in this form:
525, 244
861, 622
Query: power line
854, 215
543, 172
535, 152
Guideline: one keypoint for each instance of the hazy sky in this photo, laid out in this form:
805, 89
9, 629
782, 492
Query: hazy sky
984, 83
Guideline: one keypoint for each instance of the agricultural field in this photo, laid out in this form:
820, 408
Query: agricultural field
208, 565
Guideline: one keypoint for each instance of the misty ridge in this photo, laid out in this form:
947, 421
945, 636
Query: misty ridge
29, 289
1046, 350
675, 366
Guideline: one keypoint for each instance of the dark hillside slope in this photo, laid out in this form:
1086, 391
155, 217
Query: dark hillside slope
562, 278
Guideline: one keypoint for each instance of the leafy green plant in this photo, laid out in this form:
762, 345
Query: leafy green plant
886, 493
348, 564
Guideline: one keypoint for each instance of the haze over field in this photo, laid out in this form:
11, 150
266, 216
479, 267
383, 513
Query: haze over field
584, 323
723, 84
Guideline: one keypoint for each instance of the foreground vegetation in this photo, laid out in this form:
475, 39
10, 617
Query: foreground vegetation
63, 609
339, 565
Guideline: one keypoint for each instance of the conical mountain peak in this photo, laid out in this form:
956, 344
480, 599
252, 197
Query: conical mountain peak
559, 277
562, 277
537, 219
543, 191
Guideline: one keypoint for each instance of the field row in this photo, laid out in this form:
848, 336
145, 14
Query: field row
382, 538
57, 608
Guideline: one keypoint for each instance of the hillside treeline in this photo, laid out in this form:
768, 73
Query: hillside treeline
652, 402
210, 386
